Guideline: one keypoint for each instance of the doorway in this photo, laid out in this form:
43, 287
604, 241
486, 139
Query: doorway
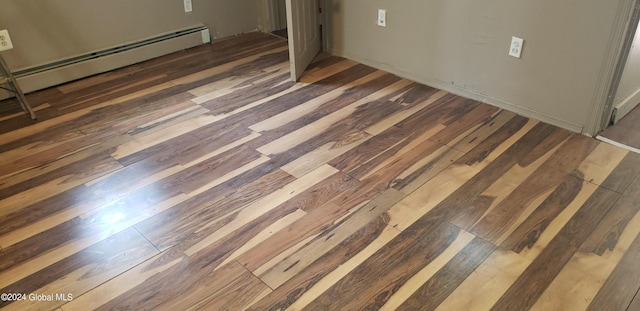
279, 18
273, 15
623, 126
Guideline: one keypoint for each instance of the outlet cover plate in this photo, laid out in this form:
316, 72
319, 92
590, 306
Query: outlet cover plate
188, 6
515, 49
5, 40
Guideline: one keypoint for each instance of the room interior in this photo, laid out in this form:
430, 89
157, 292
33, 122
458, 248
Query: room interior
415, 166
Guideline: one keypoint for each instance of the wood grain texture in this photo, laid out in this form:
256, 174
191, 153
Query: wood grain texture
207, 180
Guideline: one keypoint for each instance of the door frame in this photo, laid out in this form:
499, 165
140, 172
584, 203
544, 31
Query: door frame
623, 33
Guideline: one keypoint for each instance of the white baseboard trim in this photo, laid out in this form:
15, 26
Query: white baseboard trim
626, 105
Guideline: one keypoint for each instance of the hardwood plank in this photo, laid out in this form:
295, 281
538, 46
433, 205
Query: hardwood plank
317, 218
228, 288
181, 220
622, 285
143, 99
323, 105
447, 279
293, 290
210, 247
13, 203
76, 274
418, 280
540, 273
371, 284
395, 137
82, 200
295, 138
409, 163
474, 181
588, 269
624, 173
501, 269
264, 204
497, 222
288, 268
70, 175
635, 304
528, 232
599, 163
430, 166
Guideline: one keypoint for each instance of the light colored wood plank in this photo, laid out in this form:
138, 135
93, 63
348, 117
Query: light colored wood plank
227, 85
286, 269
299, 136
323, 154
263, 205
599, 164
388, 234
311, 105
427, 272
497, 273
147, 140
53, 187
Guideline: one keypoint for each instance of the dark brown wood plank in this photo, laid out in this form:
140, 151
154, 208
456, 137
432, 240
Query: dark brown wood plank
606, 234
332, 237
622, 285
539, 274
529, 231
178, 222
624, 173
541, 139
86, 269
347, 97
370, 285
386, 143
493, 225
635, 304
447, 279
286, 294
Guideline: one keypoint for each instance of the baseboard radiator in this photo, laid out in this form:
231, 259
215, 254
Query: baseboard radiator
44, 76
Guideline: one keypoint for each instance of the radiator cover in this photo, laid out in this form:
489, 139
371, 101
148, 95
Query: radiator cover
44, 76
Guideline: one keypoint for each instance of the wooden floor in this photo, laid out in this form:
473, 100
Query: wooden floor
627, 130
207, 180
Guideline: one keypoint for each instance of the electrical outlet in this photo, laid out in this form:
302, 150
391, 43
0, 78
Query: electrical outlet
188, 7
382, 18
516, 47
5, 40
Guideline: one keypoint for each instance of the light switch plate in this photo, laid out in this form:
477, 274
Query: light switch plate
382, 18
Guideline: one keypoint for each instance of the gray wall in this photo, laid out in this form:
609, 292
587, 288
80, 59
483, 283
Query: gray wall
43, 31
462, 46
